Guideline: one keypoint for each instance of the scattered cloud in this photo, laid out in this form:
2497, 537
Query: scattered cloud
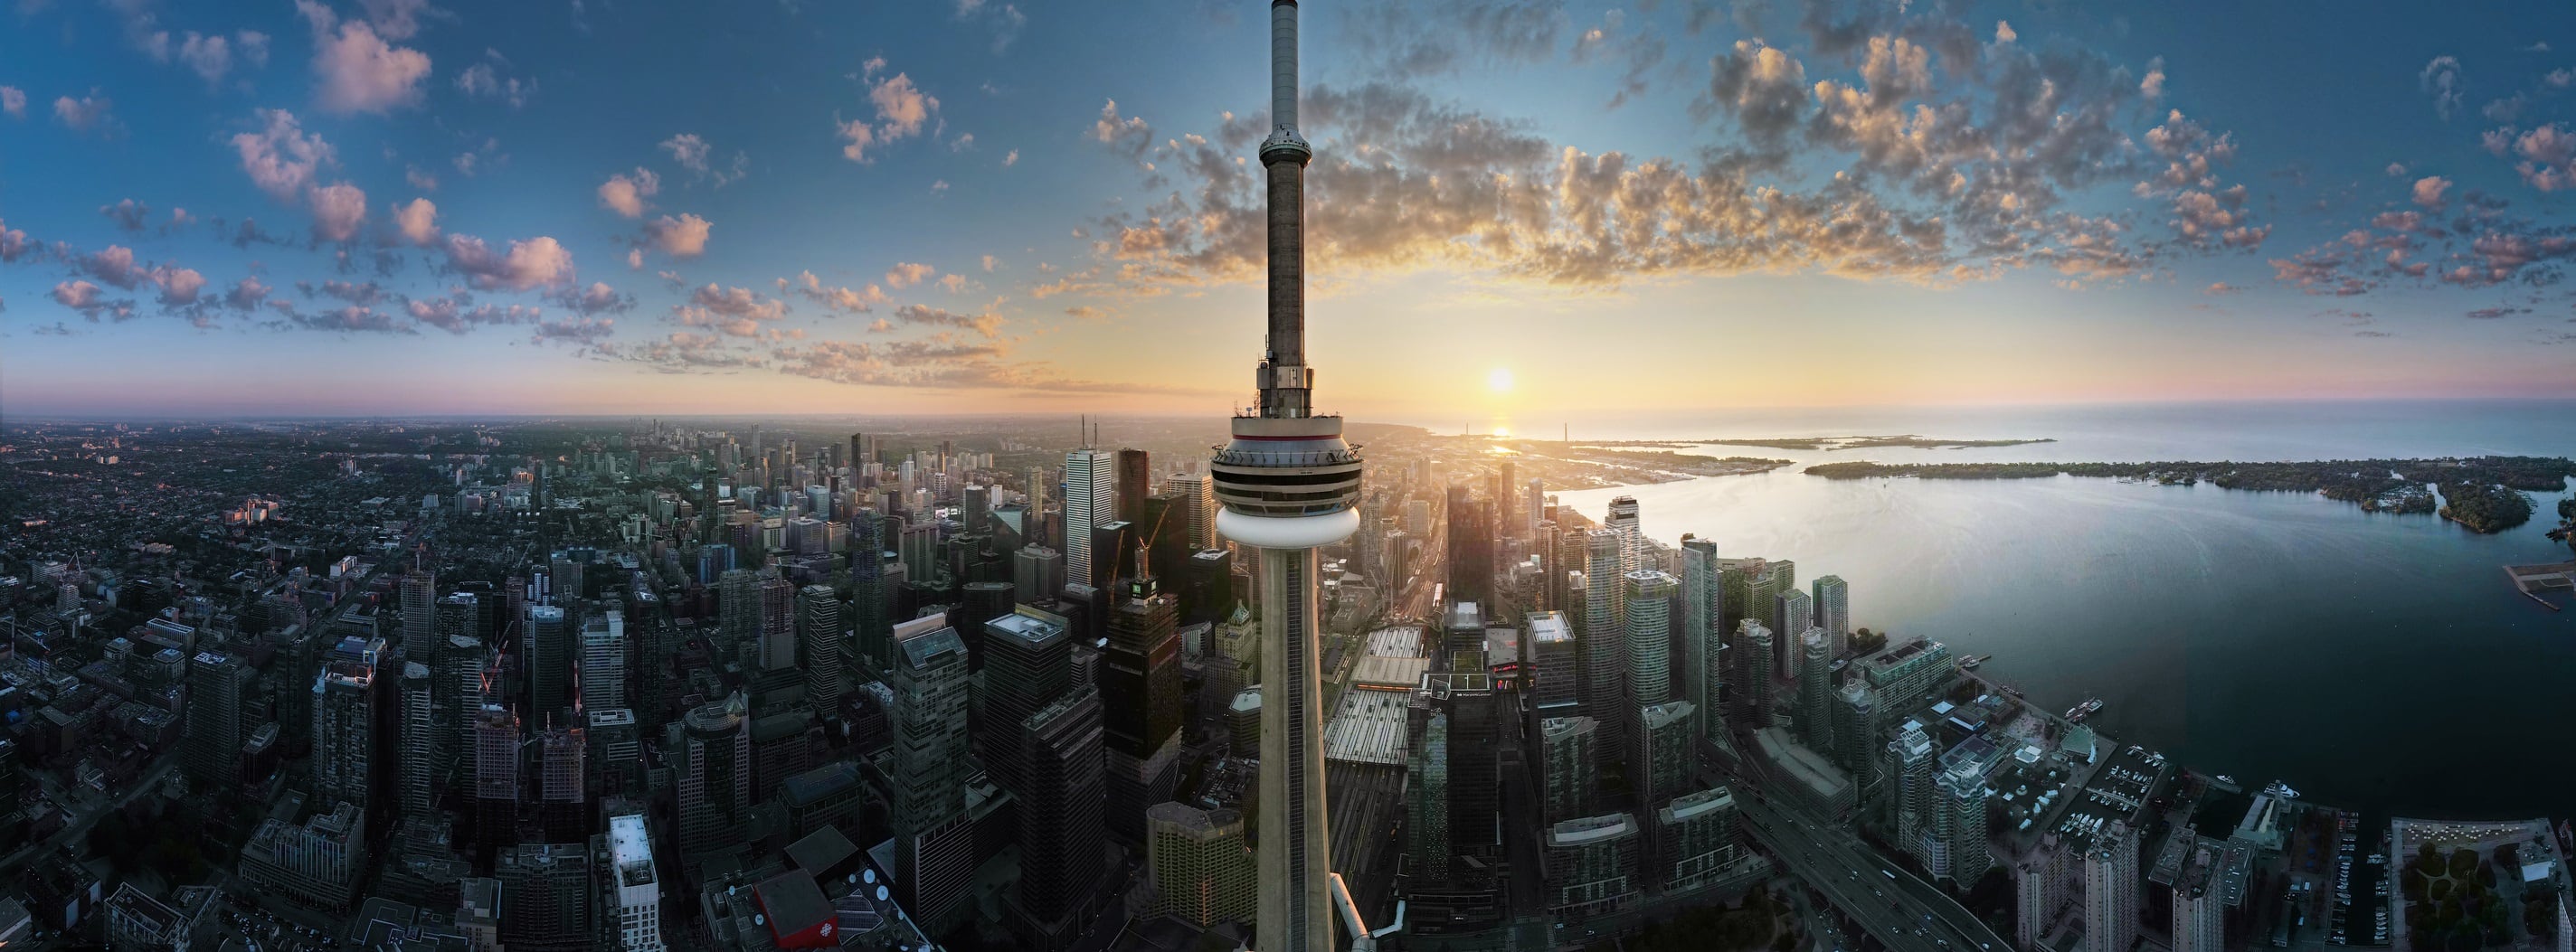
533, 263
847, 300
338, 211
695, 155
13, 102
485, 81
281, 158
2428, 192
682, 237
127, 214
625, 194
907, 274
2443, 80
357, 70
91, 112
417, 222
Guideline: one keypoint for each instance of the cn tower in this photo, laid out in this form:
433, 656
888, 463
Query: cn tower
1288, 485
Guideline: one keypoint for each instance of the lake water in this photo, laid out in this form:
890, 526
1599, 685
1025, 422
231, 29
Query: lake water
2373, 661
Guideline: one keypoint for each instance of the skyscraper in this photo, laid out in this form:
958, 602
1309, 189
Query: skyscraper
1471, 548
737, 610
1649, 595
818, 635
419, 614
1703, 652
1200, 494
550, 660
1622, 519
934, 837
603, 661
710, 755
2111, 890
496, 777
1666, 755
633, 905
1200, 869
1135, 480
419, 754
1090, 499
212, 737
1028, 664
1568, 763
1791, 615
1140, 679
1288, 483
1753, 673
1815, 723
345, 735
1605, 643
1833, 610
1061, 798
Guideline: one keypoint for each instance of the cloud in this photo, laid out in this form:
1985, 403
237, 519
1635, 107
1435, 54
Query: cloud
181, 286
417, 222
901, 108
90, 301
962, 143
625, 195
398, 19
338, 210
89, 112
2548, 157
907, 274
533, 263
128, 214
451, 314
1762, 87
2396, 169
585, 331
483, 81
13, 243
2428, 192
351, 320
210, 57
358, 71
989, 262
2491, 313
734, 312
2443, 80
281, 158
247, 294
1409, 39
419, 178
695, 155
2221, 287
598, 298
13, 101
941, 362
1127, 133
1004, 19
683, 237
986, 325
1012, 159
840, 299
115, 265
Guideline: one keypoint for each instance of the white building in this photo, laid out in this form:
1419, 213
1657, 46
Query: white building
633, 892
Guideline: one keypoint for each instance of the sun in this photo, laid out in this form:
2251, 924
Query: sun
1500, 380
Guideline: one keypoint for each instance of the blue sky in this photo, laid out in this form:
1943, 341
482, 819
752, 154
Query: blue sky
597, 207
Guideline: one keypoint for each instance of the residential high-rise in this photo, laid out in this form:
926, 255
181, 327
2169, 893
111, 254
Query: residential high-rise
776, 647
1028, 664
1791, 615
1856, 726
563, 795
1667, 756
737, 610
1815, 721
1909, 675
1568, 765
1605, 641
545, 897
416, 786
1062, 833
1090, 500
1622, 519
420, 614
1289, 484
212, 737
1703, 650
1135, 480
345, 726
1592, 864
934, 837
1911, 796
550, 660
1140, 679
709, 750
2111, 890
1959, 823
818, 637
1833, 610
1649, 596
633, 897
496, 777
1696, 838
1753, 673
1197, 861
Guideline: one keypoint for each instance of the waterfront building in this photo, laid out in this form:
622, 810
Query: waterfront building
1570, 770
1696, 839
2111, 890
1815, 726
1832, 603
1753, 691
1791, 615
1592, 864
1667, 755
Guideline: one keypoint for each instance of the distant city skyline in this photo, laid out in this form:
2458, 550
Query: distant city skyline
463, 208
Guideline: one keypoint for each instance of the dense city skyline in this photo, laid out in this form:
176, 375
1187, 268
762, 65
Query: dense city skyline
977, 207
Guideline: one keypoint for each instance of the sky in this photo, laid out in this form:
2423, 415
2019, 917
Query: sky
1518, 209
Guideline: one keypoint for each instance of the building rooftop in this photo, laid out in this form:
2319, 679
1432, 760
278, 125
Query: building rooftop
1369, 727
1588, 830
792, 902
1031, 625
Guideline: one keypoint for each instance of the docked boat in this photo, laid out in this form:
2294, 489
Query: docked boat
1973, 661
2081, 711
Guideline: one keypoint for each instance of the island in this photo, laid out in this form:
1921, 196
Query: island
2483, 494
